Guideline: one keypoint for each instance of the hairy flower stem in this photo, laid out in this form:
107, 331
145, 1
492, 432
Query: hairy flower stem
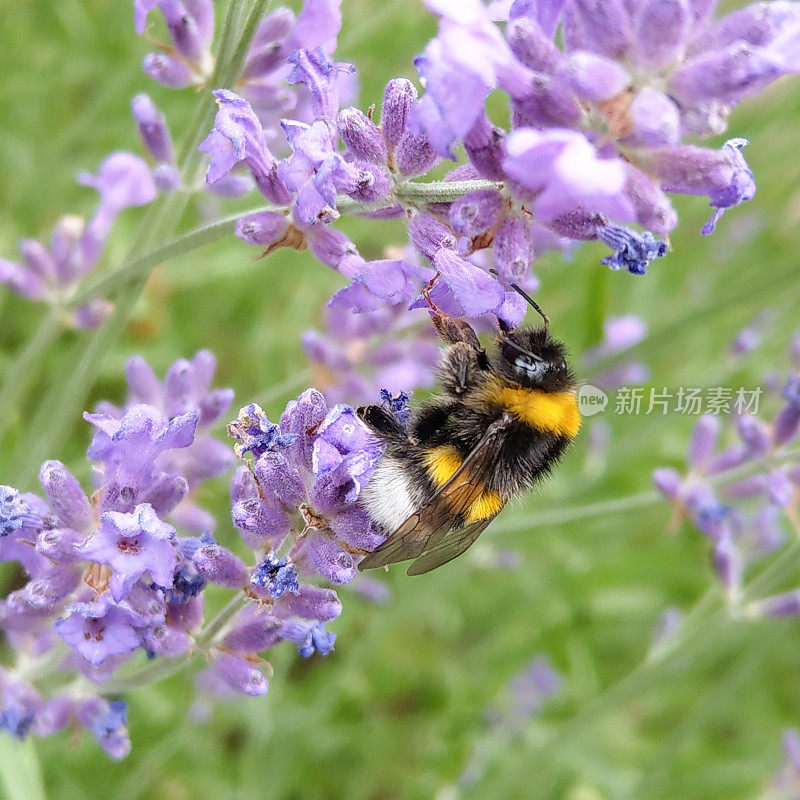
153, 671
441, 191
178, 246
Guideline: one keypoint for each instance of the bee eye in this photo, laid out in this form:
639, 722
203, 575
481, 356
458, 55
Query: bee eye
510, 353
564, 364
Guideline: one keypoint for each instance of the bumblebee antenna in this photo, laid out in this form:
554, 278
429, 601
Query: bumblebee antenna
530, 300
519, 347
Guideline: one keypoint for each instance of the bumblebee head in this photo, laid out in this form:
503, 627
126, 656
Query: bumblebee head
533, 358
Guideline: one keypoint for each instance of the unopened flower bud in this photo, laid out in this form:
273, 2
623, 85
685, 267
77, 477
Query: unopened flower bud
399, 99
361, 135
415, 156
240, 674
218, 565
153, 128
167, 70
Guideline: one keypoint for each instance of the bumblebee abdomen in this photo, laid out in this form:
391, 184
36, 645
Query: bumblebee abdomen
442, 463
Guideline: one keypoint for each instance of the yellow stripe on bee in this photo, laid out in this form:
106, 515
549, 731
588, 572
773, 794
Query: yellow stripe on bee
551, 412
487, 505
442, 463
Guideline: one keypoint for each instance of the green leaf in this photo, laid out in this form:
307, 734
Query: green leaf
20, 773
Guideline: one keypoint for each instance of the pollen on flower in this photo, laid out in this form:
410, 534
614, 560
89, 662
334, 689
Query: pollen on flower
276, 575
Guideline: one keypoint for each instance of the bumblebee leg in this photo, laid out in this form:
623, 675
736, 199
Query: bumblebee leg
382, 422
454, 330
460, 367
430, 419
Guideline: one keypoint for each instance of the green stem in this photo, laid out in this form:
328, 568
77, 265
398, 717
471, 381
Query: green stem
142, 265
441, 191
19, 376
640, 500
20, 772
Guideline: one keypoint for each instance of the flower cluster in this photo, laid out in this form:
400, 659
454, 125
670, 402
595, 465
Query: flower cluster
737, 496
594, 145
52, 275
186, 387
110, 575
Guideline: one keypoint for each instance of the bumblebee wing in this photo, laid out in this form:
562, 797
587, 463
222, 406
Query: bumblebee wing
427, 527
454, 544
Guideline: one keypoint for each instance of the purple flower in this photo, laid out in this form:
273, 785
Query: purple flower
101, 629
397, 405
266, 228
318, 73
153, 129
108, 721
186, 390
384, 347
532, 687
309, 639
218, 565
253, 630
190, 24
592, 76
15, 512
467, 59
313, 602
343, 457
562, 170
168, 71
742, 185
362, 136
122, 180
328, 559
240, 674
476, 212
237, 136
256, 434
276, 575
130, 447
315, 171
632, 250
132, 544
16, 721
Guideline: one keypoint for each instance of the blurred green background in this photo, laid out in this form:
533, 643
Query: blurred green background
398, 710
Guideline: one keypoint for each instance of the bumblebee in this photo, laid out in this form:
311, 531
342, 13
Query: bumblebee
500, 425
